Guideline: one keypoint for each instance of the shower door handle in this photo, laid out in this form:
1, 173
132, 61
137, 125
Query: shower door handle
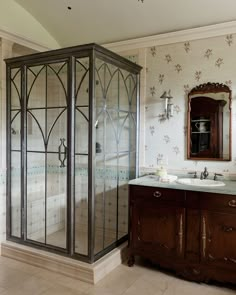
62, 149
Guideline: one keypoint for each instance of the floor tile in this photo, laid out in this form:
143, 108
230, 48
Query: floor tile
60, 290
17, 278
30, 286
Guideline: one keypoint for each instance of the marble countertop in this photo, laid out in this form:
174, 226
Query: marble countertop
151, 180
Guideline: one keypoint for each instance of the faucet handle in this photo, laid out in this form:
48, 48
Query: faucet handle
201, 176
217, 174
205, 173
194, 174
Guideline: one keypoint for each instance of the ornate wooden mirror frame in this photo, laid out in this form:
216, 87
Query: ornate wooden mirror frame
209, 105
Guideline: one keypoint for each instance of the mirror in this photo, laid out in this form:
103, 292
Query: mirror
209, 122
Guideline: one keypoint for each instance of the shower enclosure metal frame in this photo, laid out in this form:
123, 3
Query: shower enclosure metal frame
68, 56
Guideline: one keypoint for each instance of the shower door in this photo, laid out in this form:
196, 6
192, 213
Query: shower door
46, 109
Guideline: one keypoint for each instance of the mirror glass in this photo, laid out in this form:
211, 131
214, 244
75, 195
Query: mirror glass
209, 122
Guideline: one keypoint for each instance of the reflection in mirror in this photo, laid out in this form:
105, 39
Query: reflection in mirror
209, 122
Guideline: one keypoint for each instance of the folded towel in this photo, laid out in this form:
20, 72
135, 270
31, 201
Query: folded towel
168, 178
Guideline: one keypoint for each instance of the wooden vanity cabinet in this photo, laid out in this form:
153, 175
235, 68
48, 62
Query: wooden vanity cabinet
157, 222
193, 233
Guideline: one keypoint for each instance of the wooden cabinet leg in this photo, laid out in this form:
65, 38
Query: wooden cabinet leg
131, 260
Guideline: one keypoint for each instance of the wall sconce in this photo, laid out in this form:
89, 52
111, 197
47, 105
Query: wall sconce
168, 106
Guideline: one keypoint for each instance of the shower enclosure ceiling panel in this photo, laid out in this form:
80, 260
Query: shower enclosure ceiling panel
72, 147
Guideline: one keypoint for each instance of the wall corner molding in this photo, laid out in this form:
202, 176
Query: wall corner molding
174, 37
21, 40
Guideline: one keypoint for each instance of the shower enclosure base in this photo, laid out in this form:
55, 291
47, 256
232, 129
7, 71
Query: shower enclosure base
90, 273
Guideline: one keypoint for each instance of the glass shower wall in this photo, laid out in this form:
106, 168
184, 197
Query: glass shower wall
116, 125
72, 124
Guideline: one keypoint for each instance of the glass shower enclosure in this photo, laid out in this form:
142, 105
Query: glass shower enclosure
72, 121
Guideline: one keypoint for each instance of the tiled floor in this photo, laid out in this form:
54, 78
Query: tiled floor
18, 278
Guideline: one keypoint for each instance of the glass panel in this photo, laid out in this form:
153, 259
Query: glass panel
36, 197
56, 202
81, 205
36, 87
81, 161
56, 128
123, 208
99, 204
132, 168
100, 72
110, 205
124, 99
82, 81
100, 93
16, 194
133, 95
81, 130
112, 90
99, 182
36, 130
111, 135
57, 84
15, 130
100, 133
15, 88
124, 132
132, 132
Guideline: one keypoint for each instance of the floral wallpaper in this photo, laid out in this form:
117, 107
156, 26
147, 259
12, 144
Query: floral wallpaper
178, 68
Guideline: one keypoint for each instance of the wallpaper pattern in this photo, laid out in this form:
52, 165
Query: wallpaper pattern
179, 67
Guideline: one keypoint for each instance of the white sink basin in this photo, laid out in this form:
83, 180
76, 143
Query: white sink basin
200, 182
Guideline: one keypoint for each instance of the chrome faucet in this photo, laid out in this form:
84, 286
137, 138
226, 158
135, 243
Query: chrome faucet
204, 174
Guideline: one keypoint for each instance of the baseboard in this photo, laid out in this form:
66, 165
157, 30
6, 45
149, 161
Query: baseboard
90, 273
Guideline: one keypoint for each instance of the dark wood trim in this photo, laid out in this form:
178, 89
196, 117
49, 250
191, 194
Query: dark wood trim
201, 91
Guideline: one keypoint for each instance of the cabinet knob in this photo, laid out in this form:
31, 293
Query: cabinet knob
232, 203
157, 194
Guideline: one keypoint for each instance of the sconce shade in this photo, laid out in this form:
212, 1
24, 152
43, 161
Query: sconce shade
169, 95
168, 111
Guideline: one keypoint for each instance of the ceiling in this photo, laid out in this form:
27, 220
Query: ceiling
106, 21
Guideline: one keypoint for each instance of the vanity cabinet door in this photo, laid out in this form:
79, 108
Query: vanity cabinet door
157, 229
218, 239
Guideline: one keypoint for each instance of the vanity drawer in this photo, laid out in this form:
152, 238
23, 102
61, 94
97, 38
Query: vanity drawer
219, 202
156, 193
